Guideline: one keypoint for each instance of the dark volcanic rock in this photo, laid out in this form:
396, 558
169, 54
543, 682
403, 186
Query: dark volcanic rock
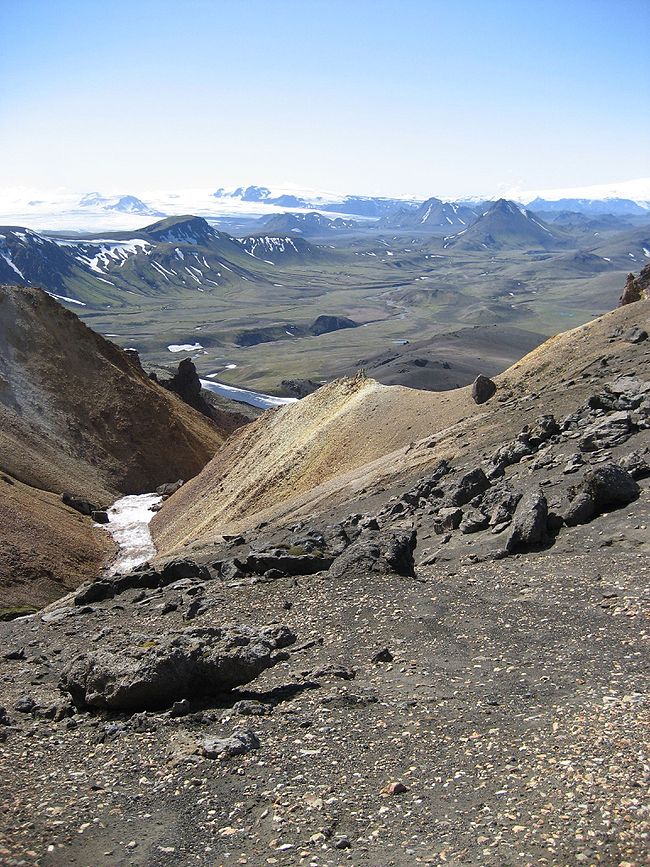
635, 335
544, 428
285, 564
608, 486
636, 465
325, 324
474, 521
143, 578
163, 670
85, 507
169, 488
187, 385
636, 288
483, 388
383, 551
529, 524
299, 387
607, 433
468, 486
448, 519
580, 511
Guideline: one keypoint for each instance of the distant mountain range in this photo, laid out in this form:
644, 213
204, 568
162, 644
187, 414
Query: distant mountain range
173, 255
306, 224
123, 204
98, 212
185, 253
434, 213
614, 206
361, 206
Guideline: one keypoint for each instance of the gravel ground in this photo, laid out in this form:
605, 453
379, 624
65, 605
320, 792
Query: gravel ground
514, 711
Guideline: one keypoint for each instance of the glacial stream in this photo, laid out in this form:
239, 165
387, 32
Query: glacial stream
128, 524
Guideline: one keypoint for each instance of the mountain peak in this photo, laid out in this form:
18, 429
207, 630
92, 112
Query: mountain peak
505, 226
186, 229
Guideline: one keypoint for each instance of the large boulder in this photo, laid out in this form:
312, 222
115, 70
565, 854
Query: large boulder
483, 388
149, 674
608, 486
379, 551
469, 485
288, 564
239, 743
529, 527
611, 431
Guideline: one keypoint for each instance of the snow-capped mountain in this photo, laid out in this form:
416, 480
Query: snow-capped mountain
306, 224
505, 226
431, 214
172, 256
62, 210
593, 197
124, 204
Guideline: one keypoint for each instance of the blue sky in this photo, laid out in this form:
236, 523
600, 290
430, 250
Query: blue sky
379, 97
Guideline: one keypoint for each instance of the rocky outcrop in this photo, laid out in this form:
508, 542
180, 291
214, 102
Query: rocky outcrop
299, 387
187, 385
154, 672
325, 324
636, 288
141, 578
375, 552
605, 487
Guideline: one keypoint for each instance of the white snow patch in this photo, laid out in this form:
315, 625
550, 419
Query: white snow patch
71, 301
184, 347
7, 259
97, 254
160, 270
426, 216
242, 395
128, 524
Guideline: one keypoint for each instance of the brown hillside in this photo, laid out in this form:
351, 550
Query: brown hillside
356, 434
295, 449
77, 414
46, 548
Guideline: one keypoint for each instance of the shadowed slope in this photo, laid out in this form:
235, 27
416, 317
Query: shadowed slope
77, 414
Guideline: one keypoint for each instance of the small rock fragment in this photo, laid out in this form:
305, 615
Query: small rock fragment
240, 742
395, 788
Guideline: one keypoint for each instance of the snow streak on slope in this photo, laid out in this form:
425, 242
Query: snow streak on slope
242, 395
128, 524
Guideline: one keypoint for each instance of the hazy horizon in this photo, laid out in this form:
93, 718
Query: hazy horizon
371, 98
